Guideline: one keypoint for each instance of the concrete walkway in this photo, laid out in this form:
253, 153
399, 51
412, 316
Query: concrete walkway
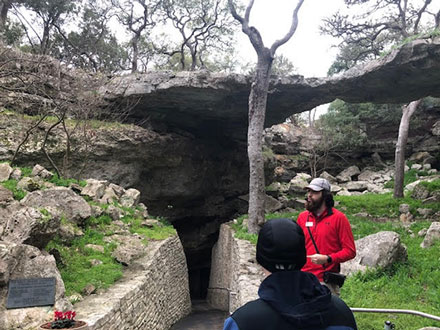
203, 317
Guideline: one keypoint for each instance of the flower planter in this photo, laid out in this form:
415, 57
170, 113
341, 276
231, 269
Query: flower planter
79, 325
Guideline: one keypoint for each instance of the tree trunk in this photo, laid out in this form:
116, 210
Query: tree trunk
402, 139
134, 60
257, 113
4, 8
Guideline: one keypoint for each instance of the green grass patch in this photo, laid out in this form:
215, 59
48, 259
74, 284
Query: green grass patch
410, 285
156, 233
413, 284
11, 185
64, 182
409, 177
380, 205
78, 271
431, 186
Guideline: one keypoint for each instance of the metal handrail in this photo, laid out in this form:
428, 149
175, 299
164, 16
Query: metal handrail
399, 311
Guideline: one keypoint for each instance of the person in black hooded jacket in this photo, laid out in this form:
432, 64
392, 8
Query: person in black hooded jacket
289, 298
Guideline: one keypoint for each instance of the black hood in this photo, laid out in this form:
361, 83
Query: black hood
298, 297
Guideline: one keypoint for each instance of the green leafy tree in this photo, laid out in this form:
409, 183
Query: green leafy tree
380, 25
92, 46
50, 15
204, 27
139, 17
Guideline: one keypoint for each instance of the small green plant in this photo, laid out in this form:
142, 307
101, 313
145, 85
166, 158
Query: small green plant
431, 186
11, 185
410, 176
77, 270
64, 182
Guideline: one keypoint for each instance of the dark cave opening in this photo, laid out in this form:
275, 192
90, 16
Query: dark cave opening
198, 236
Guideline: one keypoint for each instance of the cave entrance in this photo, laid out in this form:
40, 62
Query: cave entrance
198, 236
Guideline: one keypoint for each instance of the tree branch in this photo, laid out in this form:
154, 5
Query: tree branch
292, 30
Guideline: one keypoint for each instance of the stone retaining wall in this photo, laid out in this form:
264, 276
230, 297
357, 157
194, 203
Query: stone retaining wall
235, 274
153, 296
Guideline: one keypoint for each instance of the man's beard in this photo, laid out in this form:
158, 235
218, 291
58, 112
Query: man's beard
312, 205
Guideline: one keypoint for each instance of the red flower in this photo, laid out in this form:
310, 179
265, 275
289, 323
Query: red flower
58, 315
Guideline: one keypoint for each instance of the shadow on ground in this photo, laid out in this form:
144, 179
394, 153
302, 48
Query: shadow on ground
203, 317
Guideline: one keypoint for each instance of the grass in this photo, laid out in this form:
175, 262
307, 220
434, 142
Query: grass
432, 186
11, 185
409, 177
380, 205
413, 284
77, 271
75, 267
65, 182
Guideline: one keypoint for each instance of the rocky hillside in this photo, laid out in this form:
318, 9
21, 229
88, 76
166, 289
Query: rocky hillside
83, 233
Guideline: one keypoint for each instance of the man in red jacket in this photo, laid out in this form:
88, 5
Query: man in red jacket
331, 233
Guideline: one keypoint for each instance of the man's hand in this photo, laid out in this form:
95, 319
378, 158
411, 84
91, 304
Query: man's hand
318, 259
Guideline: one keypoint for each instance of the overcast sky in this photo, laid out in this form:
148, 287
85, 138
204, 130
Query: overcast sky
310, 52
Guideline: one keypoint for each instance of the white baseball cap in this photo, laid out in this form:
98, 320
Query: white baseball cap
319, 184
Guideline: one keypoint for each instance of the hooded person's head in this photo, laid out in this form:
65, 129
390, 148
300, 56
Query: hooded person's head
281, 246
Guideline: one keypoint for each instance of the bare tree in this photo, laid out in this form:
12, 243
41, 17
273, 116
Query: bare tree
257, 109
59, 98
407, 112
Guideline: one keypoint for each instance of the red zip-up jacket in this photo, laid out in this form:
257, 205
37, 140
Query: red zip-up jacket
333, 236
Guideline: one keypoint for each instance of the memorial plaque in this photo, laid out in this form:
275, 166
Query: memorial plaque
31, 292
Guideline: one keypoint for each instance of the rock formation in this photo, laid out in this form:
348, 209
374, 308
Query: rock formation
215, 104
189, 159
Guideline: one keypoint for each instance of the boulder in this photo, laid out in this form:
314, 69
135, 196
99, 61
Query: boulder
425, 212
330, 178
29, 184
95, 189
412, 185
115, 213
357, 186
6, 196
298, 184
436, 129
129, 248
376, 189
419, 157
416, 167
19, 261
16, 174
420, 192
347, 174
378, 250
118, 190
335, 188
368, 175
343, 192
271, 204
74, 207
30, 226
432, 235
68, 231
41, 172
109, 196
5, 171
404, 208
130, 197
